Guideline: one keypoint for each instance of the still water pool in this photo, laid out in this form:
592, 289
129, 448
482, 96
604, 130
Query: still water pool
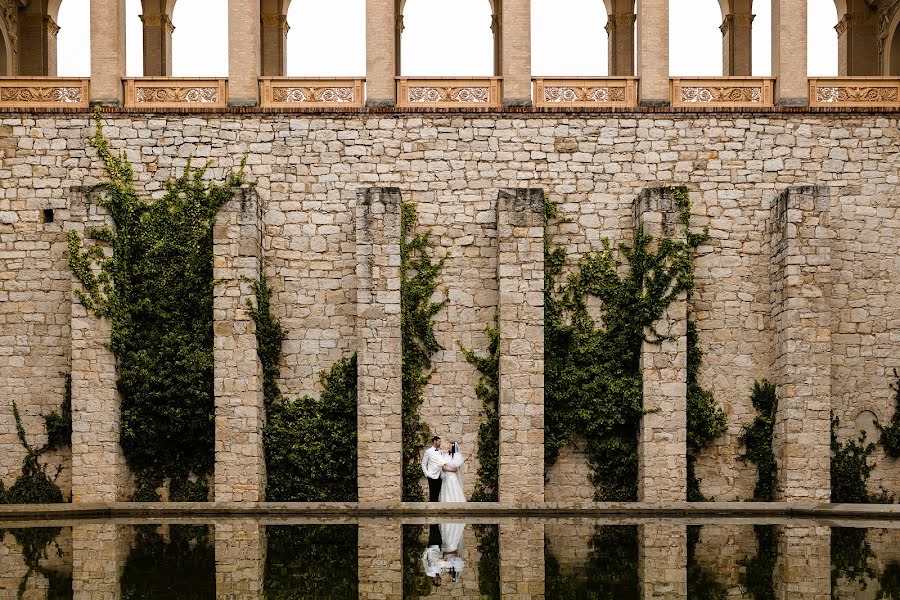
512, 558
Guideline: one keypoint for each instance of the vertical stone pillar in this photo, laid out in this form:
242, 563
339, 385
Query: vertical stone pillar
244, 50
789, 52
37, 41
240, 462
653, 52
380, 560
383, 26
158, 30
801, 286
804, 563
858, 36
274, 44
662, 561
240, 559
662, 445
516, 52
98, 467
497, 31
521, 560
620, 27
737, 44
520, 275
107, 51
98, 557
379, 351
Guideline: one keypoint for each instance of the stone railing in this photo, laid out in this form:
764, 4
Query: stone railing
847, 92
585, 92
722, 91
289, 92
448, 92
169, 92
42, 92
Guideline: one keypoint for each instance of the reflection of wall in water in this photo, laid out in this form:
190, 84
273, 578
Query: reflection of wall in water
885, 544
13, 569
467, 586
569, 544
719, 551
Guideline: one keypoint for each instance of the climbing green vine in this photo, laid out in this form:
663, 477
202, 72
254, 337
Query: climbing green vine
850, 469
156, 289
701, 584
488, 538
705, 418
34, 485
890, 435
418, 283
851, 557
758, 577
309, 443
756, 438
593, 382
488, 391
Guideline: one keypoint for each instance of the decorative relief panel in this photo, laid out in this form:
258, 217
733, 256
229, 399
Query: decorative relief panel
448, 92
575, 92
162, 92
43, 92
855, 92
285, 92
750, 95
722, 91
190, 95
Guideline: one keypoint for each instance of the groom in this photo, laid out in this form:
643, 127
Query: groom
431, 466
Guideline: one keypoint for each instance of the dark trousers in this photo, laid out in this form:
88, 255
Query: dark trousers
434, 489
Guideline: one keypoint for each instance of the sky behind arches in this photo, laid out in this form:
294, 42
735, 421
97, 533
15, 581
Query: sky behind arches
444, 37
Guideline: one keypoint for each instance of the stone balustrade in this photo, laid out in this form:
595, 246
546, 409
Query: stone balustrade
41, 92
291, 92
722, 91
448, 92
168, 92
847, 92
585, 92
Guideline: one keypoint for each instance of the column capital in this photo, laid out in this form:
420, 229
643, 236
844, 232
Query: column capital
274, 20
843, 24
398, 24
158, 20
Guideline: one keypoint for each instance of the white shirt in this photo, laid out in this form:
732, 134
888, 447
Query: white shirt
431, 463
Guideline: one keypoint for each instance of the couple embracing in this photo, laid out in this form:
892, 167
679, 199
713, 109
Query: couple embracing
444, 472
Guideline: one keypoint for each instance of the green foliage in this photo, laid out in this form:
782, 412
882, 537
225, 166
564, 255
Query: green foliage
182, 566
593, 383
756, 438
488, 537
488, 391
758, 575
310, 444
33, 486
611, 572
415, 583
418, 283
850, 557
156, 289
889, 583
850, 468
37, 543
311, 561
59, 424
705, 418
890, 435
701, 584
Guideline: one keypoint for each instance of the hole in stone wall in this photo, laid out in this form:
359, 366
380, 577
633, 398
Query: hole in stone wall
47, 216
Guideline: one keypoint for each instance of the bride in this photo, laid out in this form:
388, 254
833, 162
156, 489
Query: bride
452, 491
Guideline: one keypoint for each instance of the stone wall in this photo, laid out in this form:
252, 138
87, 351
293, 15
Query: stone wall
308, 170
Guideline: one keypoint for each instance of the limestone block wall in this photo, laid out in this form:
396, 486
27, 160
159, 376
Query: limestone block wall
308, 170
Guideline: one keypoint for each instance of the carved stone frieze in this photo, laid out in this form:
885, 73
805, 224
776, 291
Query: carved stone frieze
874, 95
330, 94
436, 94
573, 94
41, 94
177, 95
716, 95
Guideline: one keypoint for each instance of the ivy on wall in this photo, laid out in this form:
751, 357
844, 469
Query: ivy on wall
37, 543
890, 435
309, 443
418, 283
181, 564
34, 485
889, 582
756, 438
705, 418
850, 469
157, 291
311, 561
611, 572
851, 556
488, 538
416, 584
488, 391
701, 584
758, 577
593, 381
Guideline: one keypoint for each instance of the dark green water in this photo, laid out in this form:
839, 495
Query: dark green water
555, 559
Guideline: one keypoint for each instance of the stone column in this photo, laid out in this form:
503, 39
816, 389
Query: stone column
653, 52
158, 30
383, 26
98, 467
240, 462
620, 28
737, 44
379, 351
98, 556
516, 52
662, 446
804, 563
801, 286
244, 50
240, 559
37, 42
521, 560
520, 275
789, 52
107, 51
662, 561
274, 44
858, 41
380, 560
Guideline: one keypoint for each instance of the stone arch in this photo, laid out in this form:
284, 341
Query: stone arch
37, 37
156, 17
620, 23
273, 36
857, 34
891, 60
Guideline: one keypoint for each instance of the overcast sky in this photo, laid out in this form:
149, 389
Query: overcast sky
444, 37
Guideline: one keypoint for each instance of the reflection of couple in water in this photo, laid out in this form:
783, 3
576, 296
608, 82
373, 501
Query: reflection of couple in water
443, 553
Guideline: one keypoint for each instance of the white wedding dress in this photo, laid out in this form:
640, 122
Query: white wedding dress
452, 491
